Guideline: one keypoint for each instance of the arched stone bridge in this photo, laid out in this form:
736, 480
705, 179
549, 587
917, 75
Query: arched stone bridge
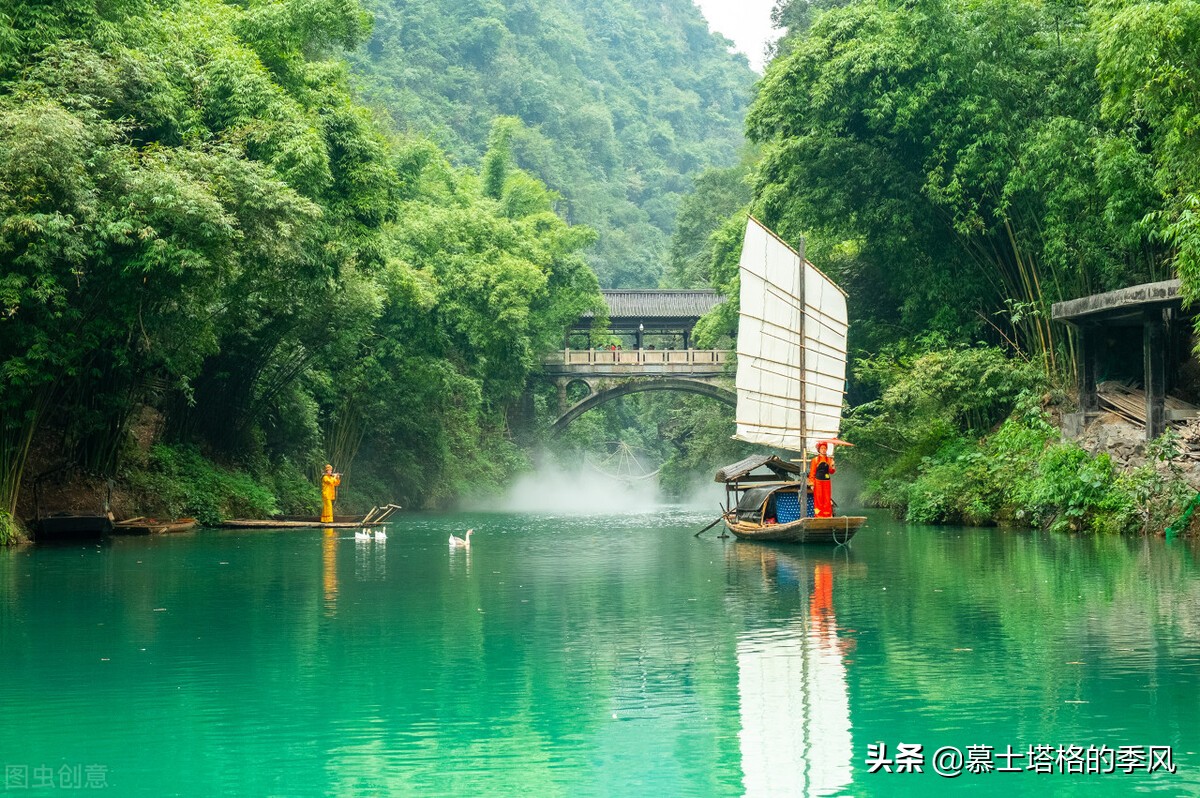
608, 374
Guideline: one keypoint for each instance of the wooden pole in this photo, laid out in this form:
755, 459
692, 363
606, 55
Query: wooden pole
1155, 361
1085, 363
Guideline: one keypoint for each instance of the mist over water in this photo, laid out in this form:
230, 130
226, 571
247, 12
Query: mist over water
580, 490
584, 490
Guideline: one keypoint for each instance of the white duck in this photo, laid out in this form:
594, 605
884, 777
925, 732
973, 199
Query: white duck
461, 543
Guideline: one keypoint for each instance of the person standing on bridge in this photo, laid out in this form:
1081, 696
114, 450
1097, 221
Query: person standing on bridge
329, 486
819, 472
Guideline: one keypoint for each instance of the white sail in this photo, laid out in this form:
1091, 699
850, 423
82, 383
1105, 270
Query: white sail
791, 347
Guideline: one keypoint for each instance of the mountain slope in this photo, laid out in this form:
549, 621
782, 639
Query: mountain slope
622, 104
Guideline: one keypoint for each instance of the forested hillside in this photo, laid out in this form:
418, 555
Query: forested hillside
621, 104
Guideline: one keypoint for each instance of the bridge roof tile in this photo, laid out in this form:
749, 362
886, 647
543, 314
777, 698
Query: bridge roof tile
662, 304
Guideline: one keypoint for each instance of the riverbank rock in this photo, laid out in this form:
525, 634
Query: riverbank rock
1125, 443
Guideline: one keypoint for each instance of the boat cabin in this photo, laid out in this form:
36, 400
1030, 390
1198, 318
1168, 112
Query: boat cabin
775, 504
766, 487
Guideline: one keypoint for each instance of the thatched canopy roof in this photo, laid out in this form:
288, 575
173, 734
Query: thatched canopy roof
740, 469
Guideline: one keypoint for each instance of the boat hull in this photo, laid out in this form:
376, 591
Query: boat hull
837, 530
55, 528
152, 527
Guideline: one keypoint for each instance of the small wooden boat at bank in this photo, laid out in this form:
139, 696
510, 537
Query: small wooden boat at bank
152, 526
62, 528
791, 379
71, 525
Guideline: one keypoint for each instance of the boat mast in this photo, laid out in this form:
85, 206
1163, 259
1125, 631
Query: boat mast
803, 366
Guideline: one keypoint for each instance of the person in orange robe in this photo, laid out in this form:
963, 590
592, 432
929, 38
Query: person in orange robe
818, 473
329, 486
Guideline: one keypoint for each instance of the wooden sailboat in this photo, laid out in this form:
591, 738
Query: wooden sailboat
791, 377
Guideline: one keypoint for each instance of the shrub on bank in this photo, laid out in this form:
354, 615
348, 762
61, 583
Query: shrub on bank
10, 533
928, 456
1024, 475
178, 481
294, 492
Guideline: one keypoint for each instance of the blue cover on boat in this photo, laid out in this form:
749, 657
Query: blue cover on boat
787, 507
812, 507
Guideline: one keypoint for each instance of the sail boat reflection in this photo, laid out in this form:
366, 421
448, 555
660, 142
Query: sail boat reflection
795, 708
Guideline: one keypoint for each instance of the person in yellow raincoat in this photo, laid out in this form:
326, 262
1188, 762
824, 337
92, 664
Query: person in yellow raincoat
329, 486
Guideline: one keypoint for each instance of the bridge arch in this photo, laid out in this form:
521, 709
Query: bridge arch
638, 386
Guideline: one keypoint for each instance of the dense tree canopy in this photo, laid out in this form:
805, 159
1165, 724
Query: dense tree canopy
204, 231
197, 217
961, 165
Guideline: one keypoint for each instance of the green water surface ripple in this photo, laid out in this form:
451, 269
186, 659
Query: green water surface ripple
599, 656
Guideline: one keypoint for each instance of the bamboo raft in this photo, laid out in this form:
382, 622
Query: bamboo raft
377, 517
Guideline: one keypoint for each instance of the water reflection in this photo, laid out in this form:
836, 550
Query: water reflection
793, 699
370, 558
460, 561
329, 574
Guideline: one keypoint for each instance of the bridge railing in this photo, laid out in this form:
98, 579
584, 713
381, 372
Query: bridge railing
640, 357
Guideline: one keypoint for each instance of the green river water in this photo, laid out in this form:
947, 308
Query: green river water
599, 656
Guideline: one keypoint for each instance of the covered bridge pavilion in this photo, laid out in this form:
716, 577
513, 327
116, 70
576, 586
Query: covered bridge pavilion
1137, 334
648, 318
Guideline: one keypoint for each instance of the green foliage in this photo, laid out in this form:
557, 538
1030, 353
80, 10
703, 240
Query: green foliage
497, 159
931, 399
1149, 76
958, 166
179, 482
10, 533
940, 157
294, 492
716, 195
1071, 491
1158, 489
697, 430
929, 460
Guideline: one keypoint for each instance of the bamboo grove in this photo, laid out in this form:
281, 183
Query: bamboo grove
960, 165
203, 234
